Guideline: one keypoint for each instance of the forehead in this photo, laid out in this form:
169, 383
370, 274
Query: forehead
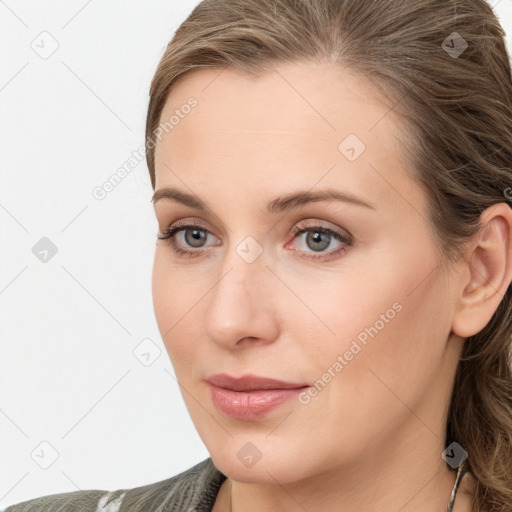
292, 125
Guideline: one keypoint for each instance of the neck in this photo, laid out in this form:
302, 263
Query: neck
410, 476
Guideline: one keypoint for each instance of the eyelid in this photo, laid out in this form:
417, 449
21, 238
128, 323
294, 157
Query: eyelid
188, 222
344, 234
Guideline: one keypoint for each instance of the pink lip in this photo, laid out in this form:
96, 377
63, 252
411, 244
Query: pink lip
250, 397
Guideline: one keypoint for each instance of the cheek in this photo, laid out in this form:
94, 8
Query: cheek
177, 301
385, 317
170, 298
163, 297
392, 344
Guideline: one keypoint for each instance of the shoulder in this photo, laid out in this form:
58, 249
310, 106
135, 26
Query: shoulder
196, 488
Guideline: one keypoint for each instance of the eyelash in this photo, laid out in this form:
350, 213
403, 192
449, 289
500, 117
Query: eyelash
297, 230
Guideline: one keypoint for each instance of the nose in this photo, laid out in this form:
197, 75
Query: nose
241, 309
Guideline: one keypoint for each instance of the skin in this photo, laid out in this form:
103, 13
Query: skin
372, 438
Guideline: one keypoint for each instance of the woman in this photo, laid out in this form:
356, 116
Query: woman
332, 274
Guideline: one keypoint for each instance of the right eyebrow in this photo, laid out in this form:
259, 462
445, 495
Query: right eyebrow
184, 198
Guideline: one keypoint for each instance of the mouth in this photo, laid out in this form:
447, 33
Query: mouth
250, 397
251, 382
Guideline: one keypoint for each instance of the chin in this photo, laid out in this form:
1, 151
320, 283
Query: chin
254, 459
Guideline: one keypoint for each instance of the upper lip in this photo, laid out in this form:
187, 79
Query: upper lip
250, 382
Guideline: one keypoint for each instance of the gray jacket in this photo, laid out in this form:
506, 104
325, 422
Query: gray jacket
193, 490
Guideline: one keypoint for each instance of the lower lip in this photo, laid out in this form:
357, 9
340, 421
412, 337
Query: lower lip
251, 405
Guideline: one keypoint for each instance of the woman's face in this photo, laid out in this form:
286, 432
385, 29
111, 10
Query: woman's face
355, 307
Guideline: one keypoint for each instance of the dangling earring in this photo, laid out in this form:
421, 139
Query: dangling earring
230, 495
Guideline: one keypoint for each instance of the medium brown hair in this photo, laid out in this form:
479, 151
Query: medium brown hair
457, 111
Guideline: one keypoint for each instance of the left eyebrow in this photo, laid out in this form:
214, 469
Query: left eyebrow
297, 199
278, 205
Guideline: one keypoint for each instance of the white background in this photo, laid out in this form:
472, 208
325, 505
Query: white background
69, 376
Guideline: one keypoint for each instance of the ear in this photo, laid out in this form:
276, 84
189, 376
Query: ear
488, 271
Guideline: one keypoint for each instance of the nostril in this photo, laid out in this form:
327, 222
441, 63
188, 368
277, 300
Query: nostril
248, 338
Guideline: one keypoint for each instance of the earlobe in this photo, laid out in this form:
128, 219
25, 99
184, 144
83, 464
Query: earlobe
489, 267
